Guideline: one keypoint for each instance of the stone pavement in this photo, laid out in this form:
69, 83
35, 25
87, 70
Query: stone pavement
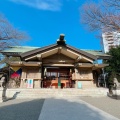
72, 109
109, 105
59, 109
21, 109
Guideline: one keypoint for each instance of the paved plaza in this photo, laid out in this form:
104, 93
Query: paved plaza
83, 108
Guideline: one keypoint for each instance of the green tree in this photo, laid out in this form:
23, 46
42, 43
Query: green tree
114, 62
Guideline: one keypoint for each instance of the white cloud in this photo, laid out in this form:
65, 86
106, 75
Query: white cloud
53, 5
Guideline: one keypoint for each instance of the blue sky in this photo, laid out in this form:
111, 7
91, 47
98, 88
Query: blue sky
45, 20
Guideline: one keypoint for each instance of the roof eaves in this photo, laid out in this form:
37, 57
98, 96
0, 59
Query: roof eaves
82, 52
18, 49
98, 53
29, 53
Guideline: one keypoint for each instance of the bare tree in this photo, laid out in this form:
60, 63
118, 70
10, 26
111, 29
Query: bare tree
8, 34
101, 16
112, 3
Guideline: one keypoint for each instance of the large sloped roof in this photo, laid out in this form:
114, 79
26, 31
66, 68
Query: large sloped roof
27, 51
24, 50
39, 50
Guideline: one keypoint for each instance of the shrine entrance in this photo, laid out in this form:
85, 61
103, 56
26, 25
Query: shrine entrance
56, 77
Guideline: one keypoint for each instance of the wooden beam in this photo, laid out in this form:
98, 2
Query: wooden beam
59, 50
58, 60
16, 63
21, 63
32, 63
85, 65
99, 66
73, 52
30, 57
39, 56
87, 59
78, 58
69, 65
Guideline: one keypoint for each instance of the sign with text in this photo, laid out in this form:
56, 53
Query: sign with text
30, 83
79, 85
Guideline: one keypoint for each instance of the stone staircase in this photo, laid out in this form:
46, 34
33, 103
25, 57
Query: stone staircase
47, 93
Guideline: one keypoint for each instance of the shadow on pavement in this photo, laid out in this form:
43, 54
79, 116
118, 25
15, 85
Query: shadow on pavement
53, 109
5, 98
113, 96
21, 109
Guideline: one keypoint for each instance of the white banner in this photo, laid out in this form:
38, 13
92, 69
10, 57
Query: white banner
30, 83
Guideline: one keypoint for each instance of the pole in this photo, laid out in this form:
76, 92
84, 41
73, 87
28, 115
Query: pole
59, 82
104, 77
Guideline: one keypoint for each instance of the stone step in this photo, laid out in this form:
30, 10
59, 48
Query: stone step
45, 93
60, 92
55, 95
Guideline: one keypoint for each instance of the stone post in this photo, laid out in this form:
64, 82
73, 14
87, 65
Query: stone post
1, 94
40, 83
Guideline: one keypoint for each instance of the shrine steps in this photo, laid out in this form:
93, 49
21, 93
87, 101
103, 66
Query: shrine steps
47, 93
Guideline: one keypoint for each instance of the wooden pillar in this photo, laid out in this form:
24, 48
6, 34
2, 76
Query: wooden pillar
76, 73
21, 83
76, 77
40, 81
37, 83
40, 84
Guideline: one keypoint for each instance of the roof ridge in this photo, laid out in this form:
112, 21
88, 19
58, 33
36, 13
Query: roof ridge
23, 46
91, 50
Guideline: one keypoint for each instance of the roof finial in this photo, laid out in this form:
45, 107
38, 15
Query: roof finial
62, 36
61, 40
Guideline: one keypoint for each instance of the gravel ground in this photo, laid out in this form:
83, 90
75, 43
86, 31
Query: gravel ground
21, 109
109, 105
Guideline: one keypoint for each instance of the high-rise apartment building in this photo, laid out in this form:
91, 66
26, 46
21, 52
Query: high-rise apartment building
110, 40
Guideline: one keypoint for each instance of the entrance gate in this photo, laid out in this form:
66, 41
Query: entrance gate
56, 77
